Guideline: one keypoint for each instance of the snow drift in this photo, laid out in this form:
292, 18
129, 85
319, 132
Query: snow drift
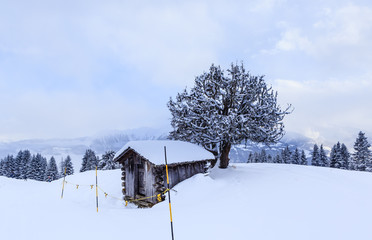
245, 201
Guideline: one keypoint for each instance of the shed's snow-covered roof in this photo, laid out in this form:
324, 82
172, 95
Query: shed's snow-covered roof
177, 151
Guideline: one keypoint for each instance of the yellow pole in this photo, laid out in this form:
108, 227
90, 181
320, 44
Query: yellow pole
170, 207
96, 189
63, 184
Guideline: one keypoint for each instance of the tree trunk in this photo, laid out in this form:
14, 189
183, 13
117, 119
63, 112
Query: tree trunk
212, 149
213, 163
224, 158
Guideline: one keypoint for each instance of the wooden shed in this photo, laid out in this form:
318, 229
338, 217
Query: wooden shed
143, 167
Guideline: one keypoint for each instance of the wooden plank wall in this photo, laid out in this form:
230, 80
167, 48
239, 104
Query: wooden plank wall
155, 176
149, 180
129, 178
180, 172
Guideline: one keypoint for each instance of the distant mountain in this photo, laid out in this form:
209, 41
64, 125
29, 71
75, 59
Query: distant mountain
240, 153
117, 139
76, 147
60, 148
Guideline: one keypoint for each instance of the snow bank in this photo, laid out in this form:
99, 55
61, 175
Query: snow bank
177, 151
245, 201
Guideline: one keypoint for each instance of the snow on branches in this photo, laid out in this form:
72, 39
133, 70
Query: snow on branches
227, 108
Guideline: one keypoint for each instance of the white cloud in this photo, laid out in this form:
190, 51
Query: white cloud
292, 40
166, 43
40, 114
264, 5
329, 110
343, 32
134, 55
348, 25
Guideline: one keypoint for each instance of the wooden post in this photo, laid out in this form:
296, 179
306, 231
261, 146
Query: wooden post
96, 189
170, 207
63, 184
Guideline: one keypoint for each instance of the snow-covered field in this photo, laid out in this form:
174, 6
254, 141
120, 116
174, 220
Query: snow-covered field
246, 201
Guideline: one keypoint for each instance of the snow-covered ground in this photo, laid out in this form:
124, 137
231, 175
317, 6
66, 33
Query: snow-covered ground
245, 201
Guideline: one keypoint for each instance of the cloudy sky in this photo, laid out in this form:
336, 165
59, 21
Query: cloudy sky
77, 68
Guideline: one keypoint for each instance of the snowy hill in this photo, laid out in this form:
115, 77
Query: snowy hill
115, 140
245, 201
60, 148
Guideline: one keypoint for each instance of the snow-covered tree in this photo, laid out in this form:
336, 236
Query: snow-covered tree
278, 159
339, 157
9, 166
303, 160
107, 161
37, 167
17, 165
90, 161
44, 165
256, 157
26, 159
5, 166
269, 158
223, 109
62, 167
1, 167
66, 165
286, 155
335, 160
262, 156
296, 158
352, 165
345, 157
362, 154
52, 171
323, 159
250, 158
315, 156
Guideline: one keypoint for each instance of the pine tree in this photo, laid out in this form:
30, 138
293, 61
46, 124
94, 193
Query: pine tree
335, 157
345, 157
256, 157
362, 154
278, 159
1, 167
84, 163
5, 167
67, 163
26, 159
269, 159
9, 165
90, 161
36, 168
52, 171
286, 155
262, 156
62, 168
17, 167
107, 161
250, 158
225, 109
303, 160
296, 157
323, 159
315, 159
43, 168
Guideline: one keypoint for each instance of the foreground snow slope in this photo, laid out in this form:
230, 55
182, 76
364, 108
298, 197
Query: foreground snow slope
246, 201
